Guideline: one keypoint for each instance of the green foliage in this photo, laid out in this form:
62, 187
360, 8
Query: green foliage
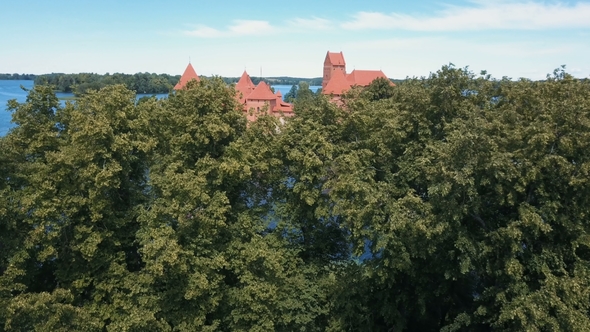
471, 195
380, 88
454, 202
283, 80
300, 94
291, 95
17, 76
149, 83
83, 82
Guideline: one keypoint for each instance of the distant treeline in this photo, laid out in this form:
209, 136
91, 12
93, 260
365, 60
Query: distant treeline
140, 82
285, 80
80, 83
17, 77
282, 80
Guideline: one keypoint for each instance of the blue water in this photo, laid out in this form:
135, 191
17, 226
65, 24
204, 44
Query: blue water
12, 90
286, 88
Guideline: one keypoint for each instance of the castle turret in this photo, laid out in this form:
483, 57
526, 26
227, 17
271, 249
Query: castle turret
188, 75
333, 62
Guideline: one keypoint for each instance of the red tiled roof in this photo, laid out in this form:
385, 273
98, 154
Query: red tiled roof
262, 92
283, 107
244, 87
364, 77
337, 85
245, 84
189, 74
336, 59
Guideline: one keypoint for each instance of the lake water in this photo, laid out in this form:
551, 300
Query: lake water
12, 90
286, 88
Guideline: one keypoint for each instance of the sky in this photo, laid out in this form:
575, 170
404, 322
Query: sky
290, 38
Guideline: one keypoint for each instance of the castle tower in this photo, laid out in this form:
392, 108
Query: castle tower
245, 86
333, 62
188, 75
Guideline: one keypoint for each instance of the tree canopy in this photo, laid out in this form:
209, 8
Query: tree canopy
454, 202
144, 83
82, 82
16, 76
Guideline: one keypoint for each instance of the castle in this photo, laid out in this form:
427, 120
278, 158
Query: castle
336, 81
253, 98
257, 98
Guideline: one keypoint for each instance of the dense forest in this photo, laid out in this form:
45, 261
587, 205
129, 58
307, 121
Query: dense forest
79, 84
140, 82
454, 202
145, 83
6, 77
283, 80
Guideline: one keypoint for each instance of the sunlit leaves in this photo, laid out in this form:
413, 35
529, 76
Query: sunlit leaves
454, 202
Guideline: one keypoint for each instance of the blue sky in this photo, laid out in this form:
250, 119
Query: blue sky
290, 38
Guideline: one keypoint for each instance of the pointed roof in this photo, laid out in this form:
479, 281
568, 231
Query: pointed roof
336, 59
245, 83
262, 92
337, 85
244, 87
279, 94
364, 77
189, 74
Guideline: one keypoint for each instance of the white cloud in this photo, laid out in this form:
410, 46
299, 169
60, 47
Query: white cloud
250, 27
481, 16
257, 28
238, 28
205, 32
314, 23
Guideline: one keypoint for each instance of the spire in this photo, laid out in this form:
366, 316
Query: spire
245, 84
188, 75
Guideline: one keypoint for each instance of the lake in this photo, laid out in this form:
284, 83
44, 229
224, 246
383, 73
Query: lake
286, 88
12, 90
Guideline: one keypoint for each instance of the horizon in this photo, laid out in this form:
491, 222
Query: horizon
269, 77
143, 72
506, 38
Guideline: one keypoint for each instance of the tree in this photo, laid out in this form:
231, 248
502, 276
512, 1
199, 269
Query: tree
303, 92
22, 156
467, 189
453, 202
380, 88
82, 175
291, 95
